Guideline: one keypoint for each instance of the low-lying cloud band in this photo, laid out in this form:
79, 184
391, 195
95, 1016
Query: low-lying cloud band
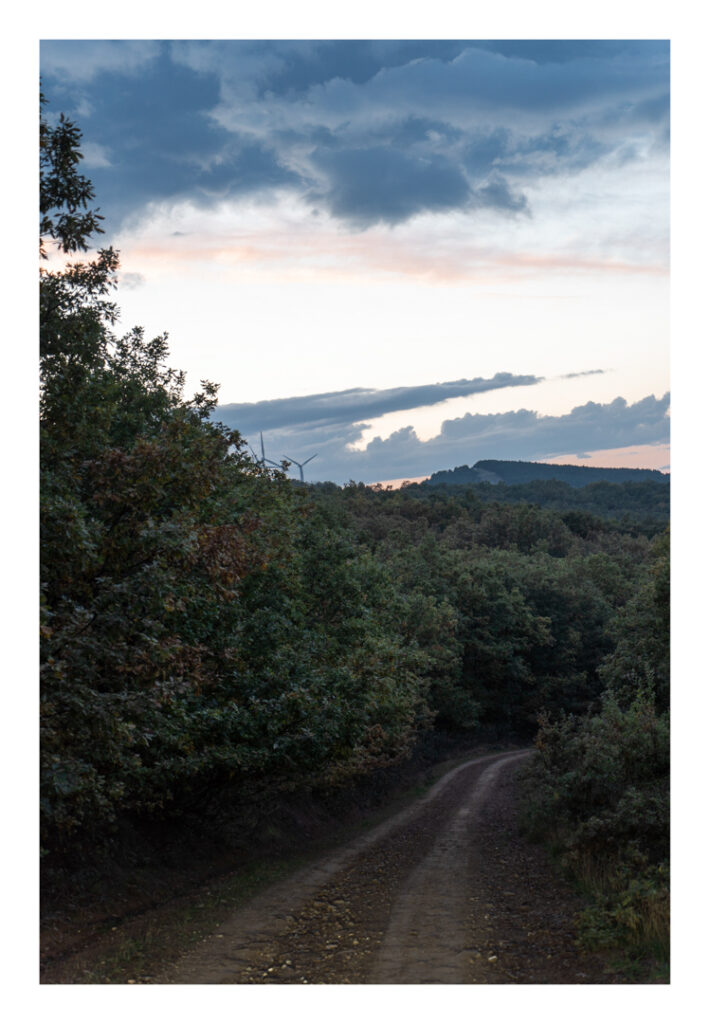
331, 424
357, 404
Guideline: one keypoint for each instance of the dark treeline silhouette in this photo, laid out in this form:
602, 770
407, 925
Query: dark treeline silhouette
508, 472
643, 505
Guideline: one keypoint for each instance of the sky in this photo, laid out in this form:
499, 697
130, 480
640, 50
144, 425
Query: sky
397, 256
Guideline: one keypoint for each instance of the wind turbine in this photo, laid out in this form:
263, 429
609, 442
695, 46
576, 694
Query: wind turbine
300, 464
263, 459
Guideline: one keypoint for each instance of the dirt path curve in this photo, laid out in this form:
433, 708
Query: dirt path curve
428, 936
444, 892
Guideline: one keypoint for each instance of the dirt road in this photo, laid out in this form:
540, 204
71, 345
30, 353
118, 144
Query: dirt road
445, 892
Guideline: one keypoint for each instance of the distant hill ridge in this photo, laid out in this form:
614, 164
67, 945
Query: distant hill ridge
497, 471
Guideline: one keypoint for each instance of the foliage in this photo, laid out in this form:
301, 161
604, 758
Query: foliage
632, 507
640, 663
599, 790
201, 628
528, 602
64, 194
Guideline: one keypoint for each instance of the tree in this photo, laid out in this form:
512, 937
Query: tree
639, 665
136, 528
64, 194
204, 632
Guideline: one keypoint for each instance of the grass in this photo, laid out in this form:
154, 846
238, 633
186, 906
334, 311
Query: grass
627, 915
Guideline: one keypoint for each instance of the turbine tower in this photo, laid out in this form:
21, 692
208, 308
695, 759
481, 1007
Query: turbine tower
300, 464
263, 460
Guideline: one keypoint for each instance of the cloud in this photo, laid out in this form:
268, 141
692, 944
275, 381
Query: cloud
94, 155
355, 61
581, 373
131, 280
155, 124
350, 408
521, 434
412, 131
496, 195
480, 81
82, 60
374, 131
164, 143
243, 168
561, 149
562, 51
382, 184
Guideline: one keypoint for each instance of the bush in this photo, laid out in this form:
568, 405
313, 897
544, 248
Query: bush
598, 793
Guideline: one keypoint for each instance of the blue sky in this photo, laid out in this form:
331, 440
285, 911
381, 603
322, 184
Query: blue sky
401, 255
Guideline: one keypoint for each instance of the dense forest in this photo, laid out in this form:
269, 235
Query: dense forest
635, 507
212, 633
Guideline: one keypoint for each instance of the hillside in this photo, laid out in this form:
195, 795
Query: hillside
496, 471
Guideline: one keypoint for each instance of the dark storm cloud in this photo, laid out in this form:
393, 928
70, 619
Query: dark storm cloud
383, 184
414, 130
533, 156
373, 131
496, 195
155, 128
161, 140
655, 109
352, 407
355, 60
481, 82
243, 167
521, 434
300, 65
486, 149
562, 51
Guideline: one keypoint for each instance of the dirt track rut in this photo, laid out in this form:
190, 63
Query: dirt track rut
444, 892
